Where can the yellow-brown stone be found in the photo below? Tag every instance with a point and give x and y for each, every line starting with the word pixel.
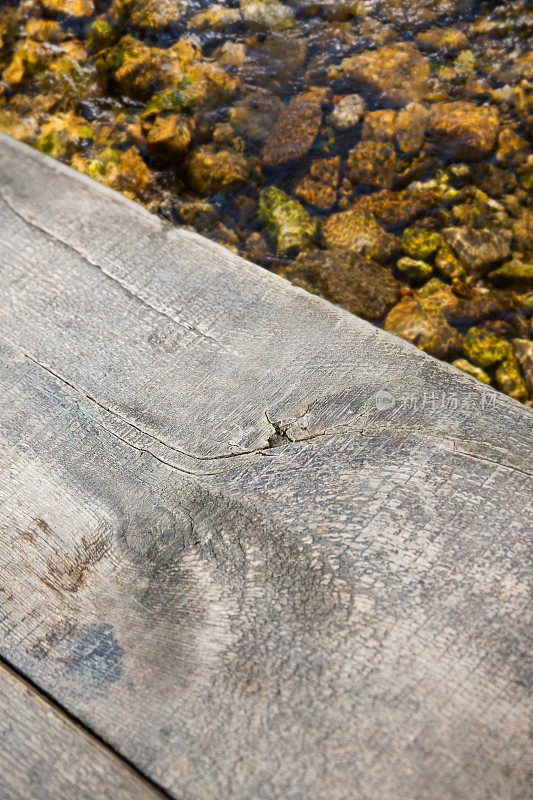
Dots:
pixel 319 186
pixel 463 130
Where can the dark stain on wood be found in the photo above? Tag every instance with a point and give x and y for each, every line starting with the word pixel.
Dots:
pixel 63 630
pixel 95 657
pixel 70 573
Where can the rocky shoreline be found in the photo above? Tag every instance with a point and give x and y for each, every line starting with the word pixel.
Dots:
pixel 375 153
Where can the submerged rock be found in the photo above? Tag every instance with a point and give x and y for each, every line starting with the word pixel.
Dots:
pixel 293 135
pixel 444 40
pixel 523 231
pixel 102 34
pixel 29 59
pixel 62 133
pixel 395 73
pixel 421 243
pixel 168 133
pixel 266 15
pixel 156 14
pixel 396 209
pixel 478 249
pixel 124 171
pixel 353 282
pixel 137 69
pixel 513 149
pixel 347 112
pixel 514 275
pixel 379 125
pixel 209 170
pixel 464 311
pixel 292 228
pixel 471 369
pixel 319 186
pixel 463 130
pixel 410 128
pixel 359 232
pixel 372 164
pixel 72 8
pixel 216 16
pixel 413 269
pixel 167 124
pixel 485 348
pixel 428 330
pixel 255 115
pixel 509 379
pixel 449 265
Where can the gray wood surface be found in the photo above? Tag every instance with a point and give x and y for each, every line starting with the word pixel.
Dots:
pixel 218 550
pixel 45 756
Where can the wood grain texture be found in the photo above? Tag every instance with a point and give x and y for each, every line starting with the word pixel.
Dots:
pixel 45 756
pixel 218 551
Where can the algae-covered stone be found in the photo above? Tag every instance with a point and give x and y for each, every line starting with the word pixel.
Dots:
pixel 61 133
pixel 216 16
pixel 198 213
pixel 463 130
pixel 290 225
pixel 428 330
pixel 442 40
pixel 293 135
pixel 155 14
pixel 318 187
pixel 485 348
pixel 72 77
pixel 513 275
pixel 266 15
pixel 169 133
pixel 136 68
pixel 513 149
pixel 166 121
pixel 73 8
pixel 465 64
pixel 124 171
pixel 471 369
pixel 410 128
pixel 413 269
pixel 523 230
pixel 25 129
pixel 448 264
pixel 395 73
pixel 379 125
pixel 29 59
pixel 510 381
pixel 478 249
pixel 209 170
pixel 396 209
pixel 358 231
pixel 372 164
pixel 421 243
pixel 347 279
pixel 102 34
pixel 347 112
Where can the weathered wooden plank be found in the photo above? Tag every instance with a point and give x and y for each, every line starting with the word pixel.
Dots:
pixel 45 756
pixel 342 615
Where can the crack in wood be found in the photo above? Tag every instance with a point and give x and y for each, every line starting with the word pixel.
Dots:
pixel 123 286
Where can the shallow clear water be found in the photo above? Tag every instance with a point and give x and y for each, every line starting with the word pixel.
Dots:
pixel 377 152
